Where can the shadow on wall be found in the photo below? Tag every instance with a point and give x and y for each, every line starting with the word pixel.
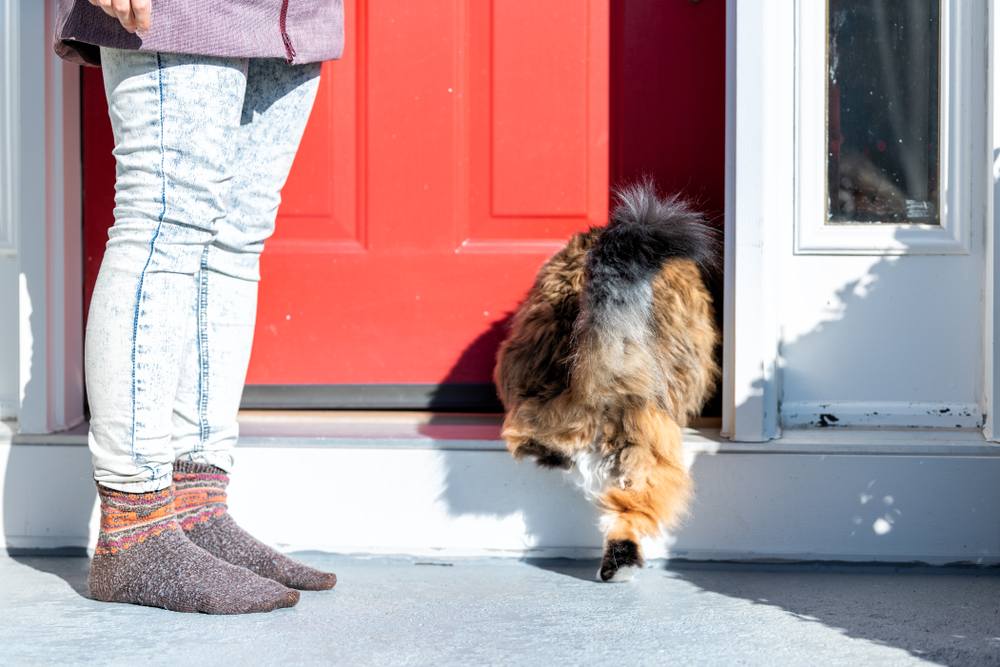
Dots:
pixel 48 490
pixel 899 335
pixel 554 513
pixel 49 498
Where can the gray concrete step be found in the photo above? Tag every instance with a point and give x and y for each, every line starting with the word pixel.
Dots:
pixel 506 612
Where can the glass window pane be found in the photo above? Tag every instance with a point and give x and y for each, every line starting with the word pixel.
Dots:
pixel 882 125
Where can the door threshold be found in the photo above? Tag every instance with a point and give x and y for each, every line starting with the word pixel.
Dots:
pixel 473 431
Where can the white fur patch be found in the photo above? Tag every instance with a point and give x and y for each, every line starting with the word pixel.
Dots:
pixel 592 472
pixel 607 522
pixel 623 575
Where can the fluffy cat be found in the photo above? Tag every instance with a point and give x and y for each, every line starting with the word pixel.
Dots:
pixel 606 360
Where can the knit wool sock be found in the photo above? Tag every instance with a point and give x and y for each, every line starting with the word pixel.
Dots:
pixel 202 513
pixel 143 557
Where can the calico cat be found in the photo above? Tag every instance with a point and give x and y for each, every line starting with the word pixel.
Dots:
pixel 606 360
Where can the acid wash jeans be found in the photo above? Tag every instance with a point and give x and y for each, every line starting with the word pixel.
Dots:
pixel 203 147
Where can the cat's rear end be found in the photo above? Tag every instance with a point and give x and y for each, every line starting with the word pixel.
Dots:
pixel 608 357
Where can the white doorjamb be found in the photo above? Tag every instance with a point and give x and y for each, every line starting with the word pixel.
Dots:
pixel 991 159
pixel 9 77
pixel 760 104
pixel 47 202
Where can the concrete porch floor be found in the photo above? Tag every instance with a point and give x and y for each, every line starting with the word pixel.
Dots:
pixel 400 611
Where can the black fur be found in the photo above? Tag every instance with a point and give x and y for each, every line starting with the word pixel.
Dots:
pixel 550 355
pixel 645 231
pixel 545 457
pixel 619 554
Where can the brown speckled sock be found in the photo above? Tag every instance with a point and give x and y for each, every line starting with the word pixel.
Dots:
pixel 201 511
pixel 143 557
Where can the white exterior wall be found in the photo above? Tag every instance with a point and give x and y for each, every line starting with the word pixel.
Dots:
pixel 373 487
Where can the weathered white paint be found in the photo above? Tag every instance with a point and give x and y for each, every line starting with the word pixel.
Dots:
pixel 884 331
pixel 760 97
pixel 881 414
pixel 961 110
pixel 854 501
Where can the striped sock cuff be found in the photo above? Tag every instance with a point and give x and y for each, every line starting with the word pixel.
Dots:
pixel 128 519
pixel 200 492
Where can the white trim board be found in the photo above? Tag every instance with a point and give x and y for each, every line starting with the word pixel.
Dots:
pixel 990 166
pixel 49 230
pixel 279 430
pixel 9 123
pixel 815 495
pixel 901 414
pixel 759 202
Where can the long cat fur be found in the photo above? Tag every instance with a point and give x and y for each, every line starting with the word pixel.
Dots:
pixel 606 360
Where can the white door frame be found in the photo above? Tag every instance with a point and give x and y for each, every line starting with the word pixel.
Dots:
pixel 760 104
pixel 43 96
pixel 991 164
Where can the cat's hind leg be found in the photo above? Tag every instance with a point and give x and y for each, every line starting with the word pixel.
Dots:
pixel 550 433
pixel 648 494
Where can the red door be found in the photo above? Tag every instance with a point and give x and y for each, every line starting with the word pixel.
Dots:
pixel 452 150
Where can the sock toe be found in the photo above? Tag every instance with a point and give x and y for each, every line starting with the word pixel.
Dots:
pixel 290 599
pixel 204 516
pixel 306 578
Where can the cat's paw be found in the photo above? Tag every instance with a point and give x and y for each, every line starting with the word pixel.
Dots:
pixel 622 560
pixel 622 575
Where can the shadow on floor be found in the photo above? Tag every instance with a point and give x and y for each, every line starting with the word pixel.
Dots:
pixel 48 500
pixel 928 612
pixel 71 570
pixel 584 569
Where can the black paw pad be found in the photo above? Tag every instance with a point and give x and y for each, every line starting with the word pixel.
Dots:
pixel 619 554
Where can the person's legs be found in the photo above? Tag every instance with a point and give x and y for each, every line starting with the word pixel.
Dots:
pixel 173 118
pixel 278 100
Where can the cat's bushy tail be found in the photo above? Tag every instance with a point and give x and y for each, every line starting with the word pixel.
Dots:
pixel 645 231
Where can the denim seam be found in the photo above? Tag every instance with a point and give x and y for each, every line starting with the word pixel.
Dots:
pixel 204 430
pixel 142 275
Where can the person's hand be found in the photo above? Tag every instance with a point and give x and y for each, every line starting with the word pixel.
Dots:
pixel 132 14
